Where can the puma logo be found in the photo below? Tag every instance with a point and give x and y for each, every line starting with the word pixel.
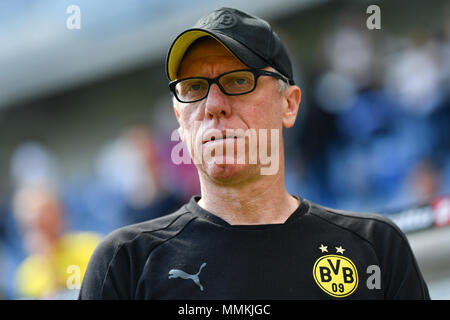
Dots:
pixel 175 273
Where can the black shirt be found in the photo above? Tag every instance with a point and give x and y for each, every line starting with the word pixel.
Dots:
pixel 318 253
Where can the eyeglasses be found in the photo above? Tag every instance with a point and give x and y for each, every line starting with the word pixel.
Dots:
pixel 232 83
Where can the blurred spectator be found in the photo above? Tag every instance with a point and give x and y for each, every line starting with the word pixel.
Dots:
pixel 379 112
pixel 414 78
pixel 423 181
pixel 33 164
pixel 132 166
pixel 51 248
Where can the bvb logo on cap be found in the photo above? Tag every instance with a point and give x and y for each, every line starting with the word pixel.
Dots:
pixel 335 274
pixel 219 20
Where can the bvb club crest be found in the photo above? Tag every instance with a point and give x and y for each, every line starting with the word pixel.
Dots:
pixel 335 274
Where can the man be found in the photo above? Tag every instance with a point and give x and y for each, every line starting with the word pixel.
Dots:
pixel 246 237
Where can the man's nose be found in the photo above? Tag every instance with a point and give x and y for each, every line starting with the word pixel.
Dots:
pixel 217 103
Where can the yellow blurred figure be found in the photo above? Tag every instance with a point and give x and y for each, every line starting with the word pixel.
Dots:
pixel 41 277
pixel 57 260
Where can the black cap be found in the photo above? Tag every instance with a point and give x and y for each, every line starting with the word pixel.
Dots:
pixel 247 37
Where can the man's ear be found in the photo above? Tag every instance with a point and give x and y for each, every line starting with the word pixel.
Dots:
pixel 176 112
pixel 292 96
pixel 180 129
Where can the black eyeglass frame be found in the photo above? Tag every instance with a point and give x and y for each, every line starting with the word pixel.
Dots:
pixel 256 73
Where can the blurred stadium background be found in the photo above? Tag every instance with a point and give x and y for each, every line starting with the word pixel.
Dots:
pixel 86 120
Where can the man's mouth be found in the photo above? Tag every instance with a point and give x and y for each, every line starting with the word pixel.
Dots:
pixel 220 139
pixel 223 138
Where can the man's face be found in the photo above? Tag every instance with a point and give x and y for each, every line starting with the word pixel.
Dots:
pixel 260 110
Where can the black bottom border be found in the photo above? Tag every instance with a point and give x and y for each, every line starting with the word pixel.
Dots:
pixel 233 309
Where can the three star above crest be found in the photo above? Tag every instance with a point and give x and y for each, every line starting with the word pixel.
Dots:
pixel 325 249
pixel 340 250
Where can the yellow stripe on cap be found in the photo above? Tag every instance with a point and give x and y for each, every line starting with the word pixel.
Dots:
pixel 180 47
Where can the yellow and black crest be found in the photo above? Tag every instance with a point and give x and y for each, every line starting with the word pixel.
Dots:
pixel 335 274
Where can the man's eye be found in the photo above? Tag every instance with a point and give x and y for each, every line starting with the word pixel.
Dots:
pixel 240 81
pixel 195 87
pixel 190 87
